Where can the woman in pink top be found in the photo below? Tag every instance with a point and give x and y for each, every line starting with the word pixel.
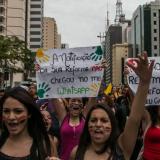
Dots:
pixel 72 123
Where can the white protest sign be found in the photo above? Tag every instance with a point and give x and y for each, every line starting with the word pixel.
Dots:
pixel 73 72
pixel 153 97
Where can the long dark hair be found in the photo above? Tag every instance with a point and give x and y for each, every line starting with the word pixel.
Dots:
pixel 154 115
pixel 41 147
pixel 85 139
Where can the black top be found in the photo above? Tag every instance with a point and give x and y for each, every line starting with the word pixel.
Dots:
pixel 6 157
pixel 118 154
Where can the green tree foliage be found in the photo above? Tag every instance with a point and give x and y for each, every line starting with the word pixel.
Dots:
pixel 12 51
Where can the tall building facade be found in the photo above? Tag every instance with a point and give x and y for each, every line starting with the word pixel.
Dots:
pixel 12 18
pixel 145 29
pixel 119 54
pixel 22 18
pixel 113 36
pixel 51 38
pixel 36 24
pixel 13 23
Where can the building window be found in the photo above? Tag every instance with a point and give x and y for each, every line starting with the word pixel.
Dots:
pixel 35 6
pixel 1 29
pixel 1 19
pixel 155 30
pixel 35 26
pixel 154 14
pixel 35 39
pixel 1 10
pixel 1 2
pixel 155 38
pixel 35 12
pixel 155 22
pixel 35 46
pixel 155 54
pixel 155 47
pixel 35 33
pixel 35 19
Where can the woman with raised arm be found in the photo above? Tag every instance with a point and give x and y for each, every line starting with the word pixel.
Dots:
pixel 99 139
pixel 71 124
pixel 24 136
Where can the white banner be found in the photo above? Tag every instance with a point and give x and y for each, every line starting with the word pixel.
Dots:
pixel 153 97
pixel 73 72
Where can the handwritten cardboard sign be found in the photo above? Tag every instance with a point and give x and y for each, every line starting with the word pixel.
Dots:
pixel 73 72
pixel 153 97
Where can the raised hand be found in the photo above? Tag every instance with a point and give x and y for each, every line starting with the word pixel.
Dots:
pixel 142 68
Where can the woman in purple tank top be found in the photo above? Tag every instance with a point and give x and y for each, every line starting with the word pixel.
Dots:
pixel 72 123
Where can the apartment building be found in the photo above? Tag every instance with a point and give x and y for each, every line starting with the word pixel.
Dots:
pixel 145 29
pixel 13 23
pixel 51 38
pixel 12 18
pixel 113 36
pixel 120 52
pixel 36 24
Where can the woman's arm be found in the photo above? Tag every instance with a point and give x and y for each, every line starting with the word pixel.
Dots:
pixel 90 103
pixel 53 146
pixel 73 153
pixel 128 137
pixel 59 109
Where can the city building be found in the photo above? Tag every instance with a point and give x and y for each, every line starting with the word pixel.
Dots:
pixel 51 38
pixel 119 54
pixel 145 29
pixel 64 45
pixel 22 18
pixel 36 24
pixel 113 36
pixel 12 23
pixel 12 18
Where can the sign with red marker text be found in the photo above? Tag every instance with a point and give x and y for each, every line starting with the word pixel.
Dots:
pixel 153 97
pixel 73 72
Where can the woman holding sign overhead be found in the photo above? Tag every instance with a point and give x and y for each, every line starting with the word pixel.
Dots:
pixel 99 139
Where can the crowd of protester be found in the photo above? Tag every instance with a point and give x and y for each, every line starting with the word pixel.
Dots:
pixel 114 126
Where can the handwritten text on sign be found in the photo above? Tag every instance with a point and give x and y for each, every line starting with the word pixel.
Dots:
pixel 74 72
pixel 153 97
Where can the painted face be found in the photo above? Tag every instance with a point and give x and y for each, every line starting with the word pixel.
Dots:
pixel 47 119
pixel 75 106
pixel 99 126
pixel 15 116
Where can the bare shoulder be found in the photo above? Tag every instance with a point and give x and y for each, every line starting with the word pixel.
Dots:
pixel 73 153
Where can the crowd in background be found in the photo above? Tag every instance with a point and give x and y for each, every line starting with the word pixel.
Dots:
pixel 59 127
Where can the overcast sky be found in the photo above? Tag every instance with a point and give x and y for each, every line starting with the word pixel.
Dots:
pixel 80 21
